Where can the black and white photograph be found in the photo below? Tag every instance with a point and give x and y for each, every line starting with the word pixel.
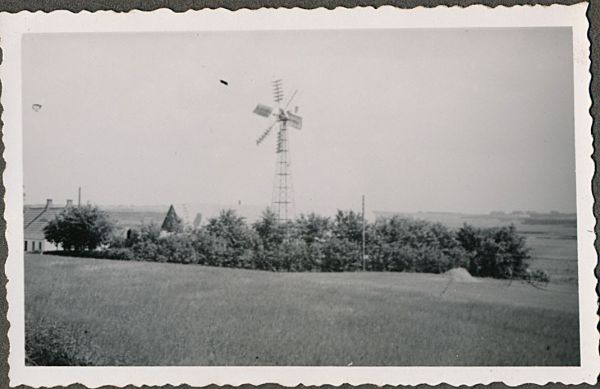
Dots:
pixel 302 197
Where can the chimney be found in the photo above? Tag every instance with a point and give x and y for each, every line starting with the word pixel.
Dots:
pixel 69 203
pixel 48 203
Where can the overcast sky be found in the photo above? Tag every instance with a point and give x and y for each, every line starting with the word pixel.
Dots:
pixel 431 120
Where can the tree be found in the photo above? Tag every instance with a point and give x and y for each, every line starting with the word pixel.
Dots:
pixel 400 244
pixel 231 227
pixel 79 228
pixel 341 254
pixel 234 237
pixel 270 231
pixel 313 228
pixel 498 252
pixel 348 225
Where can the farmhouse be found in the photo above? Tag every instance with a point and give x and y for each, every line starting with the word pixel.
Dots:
pixel 35 218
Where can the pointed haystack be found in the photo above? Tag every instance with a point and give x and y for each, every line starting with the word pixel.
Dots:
pixel 172 222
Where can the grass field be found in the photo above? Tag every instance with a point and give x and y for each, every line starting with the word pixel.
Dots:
pixel 140 313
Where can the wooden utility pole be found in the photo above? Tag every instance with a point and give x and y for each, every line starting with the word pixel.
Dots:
pixel 363 234
pixel 79 197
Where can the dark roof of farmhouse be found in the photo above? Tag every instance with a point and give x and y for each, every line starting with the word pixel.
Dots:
pixel 36 218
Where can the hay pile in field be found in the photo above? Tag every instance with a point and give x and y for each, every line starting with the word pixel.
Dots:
pixel 460 274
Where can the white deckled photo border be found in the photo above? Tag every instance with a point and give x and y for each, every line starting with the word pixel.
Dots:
pixel 14 26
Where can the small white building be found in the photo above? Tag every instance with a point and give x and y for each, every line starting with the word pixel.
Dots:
pixel 35 218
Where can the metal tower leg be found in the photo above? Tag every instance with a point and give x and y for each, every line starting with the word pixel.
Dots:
pixel 283 198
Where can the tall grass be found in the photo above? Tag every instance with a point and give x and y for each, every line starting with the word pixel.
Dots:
pixel 55 344
pixel 134 313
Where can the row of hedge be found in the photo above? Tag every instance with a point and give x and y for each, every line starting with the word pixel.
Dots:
pixel 317 243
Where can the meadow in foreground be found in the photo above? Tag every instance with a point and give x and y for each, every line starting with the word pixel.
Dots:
pixel 139 313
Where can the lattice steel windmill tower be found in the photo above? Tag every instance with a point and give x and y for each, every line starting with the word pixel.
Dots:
pixel 282 202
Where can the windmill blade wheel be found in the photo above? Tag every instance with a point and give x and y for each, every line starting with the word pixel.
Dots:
pixel 264 134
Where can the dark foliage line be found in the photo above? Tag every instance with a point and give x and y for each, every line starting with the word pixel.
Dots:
pixel 316 243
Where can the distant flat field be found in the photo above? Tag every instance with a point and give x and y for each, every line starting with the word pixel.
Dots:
pixel 141 313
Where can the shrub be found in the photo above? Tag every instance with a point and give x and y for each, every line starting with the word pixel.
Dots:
pixel 269 230
pixel 114 253
pixel 431 260
pixel 347 225
pixel 494 252
pixel 50 344
pixel 392 257
pixel 313 228
pixel 79 228
pixel 233 238
pixel 314 256
pixel 400 244
pixel 341 255
pixel 177 248
pixel 538 275
pixel 267 259
pixel 315 243
pixel 209 248
pixel 107 253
